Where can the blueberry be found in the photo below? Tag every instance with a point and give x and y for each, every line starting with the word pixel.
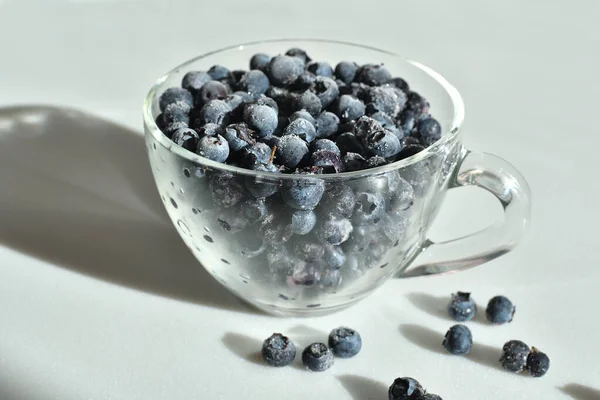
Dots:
pixel 279 260
pixel 298 53
pixel 274 230
pixel 283 98
pixel 261 118
pixel 234 101
pixel 231 220
pixel 291 151
pixel 334 256
pixel 255 82
pixel 409 150
pixel 358 90
pixel 303 222
pixel 160 122
pixel 326 90
pixel 305 274
pixel 346 71
pixel 514 356
pixel 354 162
pixel 238 136
pixel 308 101
pixel 407 121
pixel 258 153
pixel 186 138
pixel 399 83
pixel 214 148
pixel 500 310
pixel 458 340
pixel 538 363
pixel 405 389
pixel 326 124
pixel 429 130
pixel 317 357
pixel 320 68
pixel 210 91
pixel 218 72
pixel 194 80
pixel 246 97
pixel 302 114
pixel 369 208
pixel 173 127
pixel 284 70
pixel 278 350
pixel 174 95
pixel 325 144
pixel 386 99
pixel 254 210
pixel 308 250
pixel 301 128
pixel 215 112
pixel 333 230
pixel 328 161
pixel 176 112
pixel 260 61
pixel 383 119
pixel 330 281
pixel 226 191
pixel 462 307
pixel 376 161
pixel 373 75
pixel 262 187
pixel 382 143
pixel 366 126
pixel 267 101
pixel 303 194
pixel 359 240
pixel 210 130
pixel 348 108
pixel 416 103
pixel 339 201
pixel 347 142
pixel 304 82
pixel 345 342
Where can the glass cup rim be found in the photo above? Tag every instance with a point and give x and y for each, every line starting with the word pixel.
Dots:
pixel 448 136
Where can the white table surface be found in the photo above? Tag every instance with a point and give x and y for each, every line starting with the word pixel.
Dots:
pixel 99 298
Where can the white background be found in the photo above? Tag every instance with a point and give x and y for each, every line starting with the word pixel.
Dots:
pixel 87 313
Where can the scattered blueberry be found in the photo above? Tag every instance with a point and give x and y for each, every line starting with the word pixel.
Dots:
pixel 278 350
pixel 346 71
pixel 291 151
pixel 462 307
pixel 186 138
pixel 260 61
pixel 284 70
pixel 373 75
pixel 218 72
pixel 255 82
pixel 308 101
pixel 514 356
pixel 210 91
pixel 500 310
pixel 317 357
pixel 298 53
pixel 214 148
pixel 326 124
pixel 301 128
pixel 538 363
pixel 405 389
pixel 320 68
pixel 262 118
pixel 345 342
pixel 303 222
pixel 174 95
pixel 303 194
pixel 458 340
pixel 348 108
pixel 238 136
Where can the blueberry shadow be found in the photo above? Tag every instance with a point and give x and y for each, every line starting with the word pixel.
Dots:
pixel 432 341
pixel 581 392
pixel 77 191
pixel 361 388
pixel 436 306
pixel 302 336
pixel 245 347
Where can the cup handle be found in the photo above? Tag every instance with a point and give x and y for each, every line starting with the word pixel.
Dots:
pixel 501 179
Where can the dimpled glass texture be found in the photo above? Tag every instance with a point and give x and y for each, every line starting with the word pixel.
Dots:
pixel 260 262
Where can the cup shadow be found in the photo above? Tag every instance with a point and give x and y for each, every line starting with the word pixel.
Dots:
pixel 581 392
pixel 362 388
pixel 77 191
pixel 431 340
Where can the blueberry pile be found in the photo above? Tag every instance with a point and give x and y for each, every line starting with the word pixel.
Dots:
pixel 279 351
pixel 290 114
pixel 407 388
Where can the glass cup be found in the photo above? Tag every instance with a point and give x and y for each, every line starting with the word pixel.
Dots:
pixel 391 207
